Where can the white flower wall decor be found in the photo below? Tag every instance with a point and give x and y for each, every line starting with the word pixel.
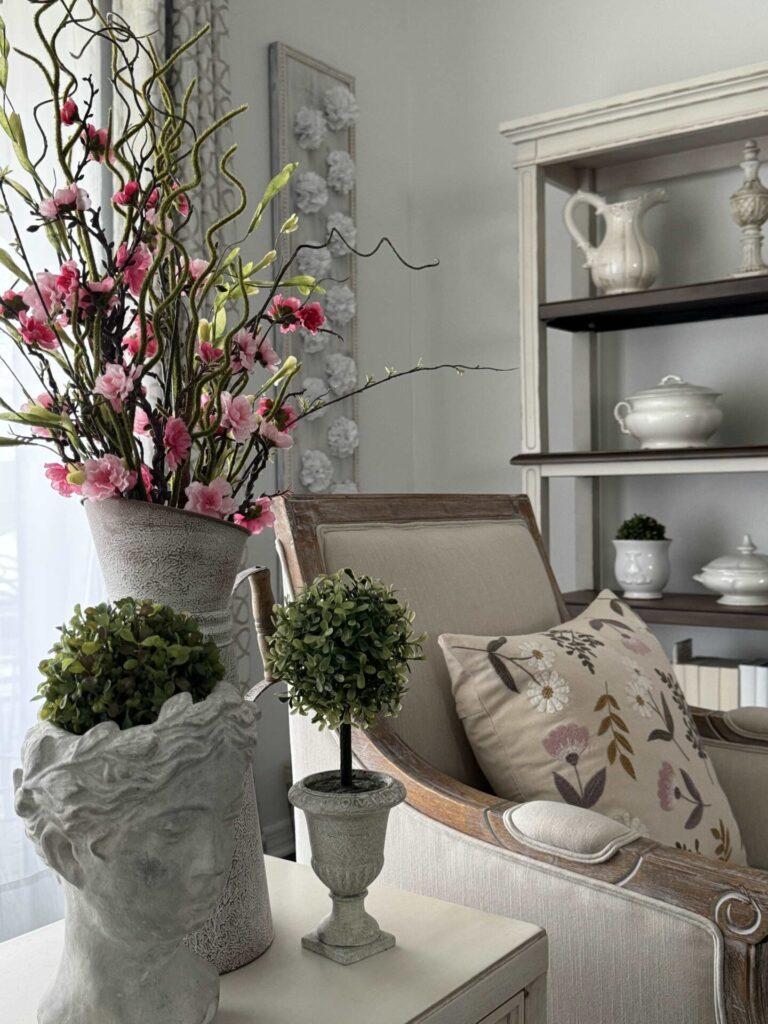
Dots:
pixel 314 119
pixel 341 171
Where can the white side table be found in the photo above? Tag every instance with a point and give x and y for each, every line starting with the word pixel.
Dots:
pixel 451 965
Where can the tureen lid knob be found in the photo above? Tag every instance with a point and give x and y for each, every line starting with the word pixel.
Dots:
pixel 746 547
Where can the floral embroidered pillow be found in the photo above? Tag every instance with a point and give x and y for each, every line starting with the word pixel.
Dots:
pixel 590 713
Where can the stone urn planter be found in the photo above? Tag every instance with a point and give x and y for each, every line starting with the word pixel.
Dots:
pixel 347 828
pixel 138 824
pixel 190 562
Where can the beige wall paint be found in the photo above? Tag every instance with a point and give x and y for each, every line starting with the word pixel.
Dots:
pixel 434 79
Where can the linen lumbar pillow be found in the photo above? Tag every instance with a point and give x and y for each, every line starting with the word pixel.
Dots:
pixel 590 713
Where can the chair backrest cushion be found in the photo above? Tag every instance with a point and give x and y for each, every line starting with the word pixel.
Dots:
pixel 472 576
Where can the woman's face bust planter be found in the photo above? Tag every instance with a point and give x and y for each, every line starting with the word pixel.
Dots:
pixel 139 826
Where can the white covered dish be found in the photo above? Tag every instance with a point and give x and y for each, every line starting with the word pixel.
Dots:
pixel 674 414
pixel 741 578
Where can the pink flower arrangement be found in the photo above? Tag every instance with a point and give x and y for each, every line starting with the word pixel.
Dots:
pixel 134 265
pixel 141 422
pixel 12 304
pixel 116 384
pixel 284 311
pixel 259 516
pixel 59 474
pixel 214 499
pixel 96 141
pixel 68 113
pixel 177 441
pixel 99 295
pixel 36 333
pixel 208 353
pixel 64 200
pixel 285 417
pixel 237 416
pixel 312 317
pixel 197 268
pixel 128 194
pixel 132 344
pixel 106 478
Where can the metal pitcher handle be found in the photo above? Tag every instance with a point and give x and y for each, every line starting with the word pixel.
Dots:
pixel 262 602
pixel 621 417
pixel 599 205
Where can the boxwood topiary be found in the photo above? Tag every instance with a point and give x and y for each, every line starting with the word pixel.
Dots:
pixel 120 662
pixel 640 527
pixel 344 646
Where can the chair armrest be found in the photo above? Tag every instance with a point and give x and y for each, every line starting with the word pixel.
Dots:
pixel 744 725
pixel 734 898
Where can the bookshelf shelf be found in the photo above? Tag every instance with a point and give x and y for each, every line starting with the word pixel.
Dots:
pixel 682 610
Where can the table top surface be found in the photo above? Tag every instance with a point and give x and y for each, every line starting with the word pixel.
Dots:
pixel 442 950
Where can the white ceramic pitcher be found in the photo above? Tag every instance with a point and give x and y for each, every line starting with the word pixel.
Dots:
pixel 624 261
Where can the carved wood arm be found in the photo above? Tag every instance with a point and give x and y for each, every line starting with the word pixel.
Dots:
pixel 716 725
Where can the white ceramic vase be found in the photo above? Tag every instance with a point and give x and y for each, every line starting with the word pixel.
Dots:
pixel 190 562
pixel 347 829
pixel 138 825
pixel 625 261
pixel 642 567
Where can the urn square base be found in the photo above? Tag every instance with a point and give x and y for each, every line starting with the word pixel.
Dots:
pixel 348 954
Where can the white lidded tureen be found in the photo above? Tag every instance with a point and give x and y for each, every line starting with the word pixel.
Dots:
pixel 674 414
pixel 742 578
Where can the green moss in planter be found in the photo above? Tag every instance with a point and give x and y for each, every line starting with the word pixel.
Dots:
pixel 640 527
pixel 121 662
pixel 344 646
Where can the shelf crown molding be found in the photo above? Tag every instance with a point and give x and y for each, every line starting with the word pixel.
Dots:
pixel 721 107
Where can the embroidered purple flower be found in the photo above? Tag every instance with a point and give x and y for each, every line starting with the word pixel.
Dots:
pixel 635 644
pixel 666 786
pixel 567 742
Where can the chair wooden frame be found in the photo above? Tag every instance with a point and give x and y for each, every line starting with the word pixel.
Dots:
pixel 734 898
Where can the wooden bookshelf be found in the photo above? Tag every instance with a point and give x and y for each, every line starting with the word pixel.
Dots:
pixel 682 610
pixel 734 459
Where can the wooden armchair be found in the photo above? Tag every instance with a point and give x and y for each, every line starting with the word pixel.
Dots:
pixel 645 934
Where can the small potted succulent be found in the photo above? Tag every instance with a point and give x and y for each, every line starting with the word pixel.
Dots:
pixel 343 647
pixel 129 788
pixel 642 557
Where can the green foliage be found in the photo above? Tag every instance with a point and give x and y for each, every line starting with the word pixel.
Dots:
pixel 343 646
pixel 640 527
pixel 121 662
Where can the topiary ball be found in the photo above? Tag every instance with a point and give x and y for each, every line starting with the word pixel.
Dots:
pixel 640 527
pixel 121 662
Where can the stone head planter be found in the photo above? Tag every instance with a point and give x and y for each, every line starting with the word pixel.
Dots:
pixel 139 826
pixel 190 562
pixel 347 829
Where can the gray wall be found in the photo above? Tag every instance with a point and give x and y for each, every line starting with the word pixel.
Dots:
pixel 434 79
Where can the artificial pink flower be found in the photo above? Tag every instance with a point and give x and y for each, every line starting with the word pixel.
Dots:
pixel 208 353
pixel 48 209
pixel 146 477
pixel 69 112
pixel 284 311
pixel 42 298
pixel 99 294
pixel 106 477
pixel 58 474
pixel 134 265
pixel 115 384
pixel 140 421
pixel 180 201
pixel 152 199
pixel 665 787
pixel 197 268
pixel 214 499
pixel 95 141
pixel 258 517
pixel 132 343
pixel 127 195
pixel 12 303
pixel 267 355
pixel 312 317
pixel 36 332
pixel 245 346
pixel 285 417
pixel 68 283
pixel 43 401
pixel 177 442
pixel 237 415
pixel 270 431
pixel 72 198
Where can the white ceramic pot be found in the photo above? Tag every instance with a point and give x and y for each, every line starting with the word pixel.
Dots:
pixel 624 261
pixel 674 414
pixel 642 567
pixel 742 579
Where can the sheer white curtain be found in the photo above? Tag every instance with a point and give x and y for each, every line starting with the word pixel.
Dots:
pixel 47 563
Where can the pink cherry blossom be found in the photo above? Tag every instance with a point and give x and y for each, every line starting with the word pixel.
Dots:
pixel 48 209
pixel 270 431
pixel 99 294
pixel 115 384
pixel 68 283
pixel 237 415
pixel 180 201
pixel 312 317
pixel 197 268
pixel 146 477
pixel 128 194
pixel 43 401
pixel 258 517
pixel 208 353
pixel 285 417
pixel 132 343
pixel 106 477
pixel 58 473
pixel 69 112
pixel 214 499
pixel 134 265
pixel 72 198
pixel 140 421
pixel 42 298
pixel 284 311
pixel 247 348
pixel 177 442
pixel 12 303
pixel 95 141
pixel 36 332
pixel 267 355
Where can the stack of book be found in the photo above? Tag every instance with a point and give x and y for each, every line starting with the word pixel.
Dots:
pixel 720 684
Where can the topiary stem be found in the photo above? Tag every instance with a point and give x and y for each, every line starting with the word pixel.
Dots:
pixel 345 745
